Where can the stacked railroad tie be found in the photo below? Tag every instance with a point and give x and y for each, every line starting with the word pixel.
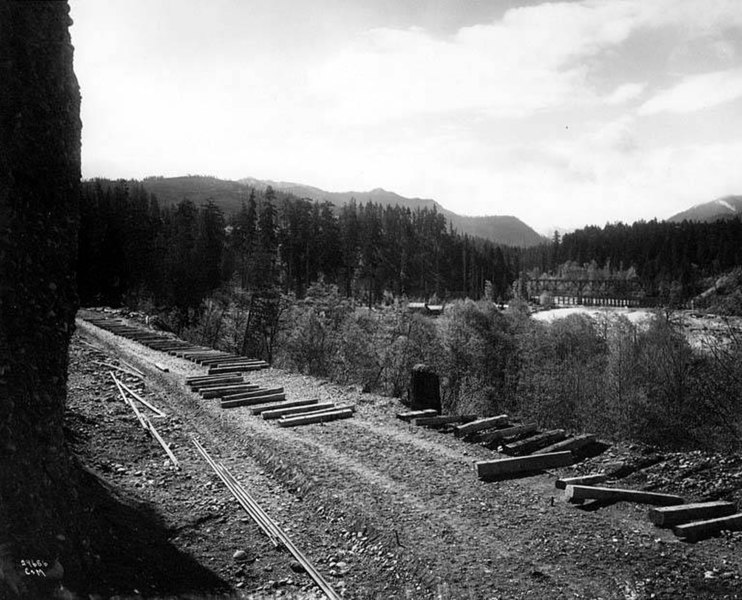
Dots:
pixel 690 522
pixel 233 391
pixel 218 362
pixel 529 448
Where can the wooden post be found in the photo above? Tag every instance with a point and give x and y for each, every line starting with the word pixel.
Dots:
pixel 676 515
pixel 534 442
pixel 492 438
pixel 699 530
pixel 277 413
pixel 563 482
pixel 288 404
pixel 527 464
pixel 413 414
pixel 321 417
pixel 577 494
pixel 442 420
pixel 480 425
pixel 572 444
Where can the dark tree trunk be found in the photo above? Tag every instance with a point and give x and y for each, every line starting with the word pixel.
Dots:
pixel 39 191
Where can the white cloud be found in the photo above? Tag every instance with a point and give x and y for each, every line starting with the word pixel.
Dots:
pixel 625 92
pixel 697 92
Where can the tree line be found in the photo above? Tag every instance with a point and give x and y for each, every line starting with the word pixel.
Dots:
pixel 670 260
pixel 133 250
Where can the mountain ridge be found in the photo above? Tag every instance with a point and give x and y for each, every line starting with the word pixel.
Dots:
pixel 726 207
pixel 503 229
pixel 229 195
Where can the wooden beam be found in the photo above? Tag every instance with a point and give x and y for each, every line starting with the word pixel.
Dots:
pixel 676 515
pixel 253 394
pixel 480 425
pixel 198 379
pixel 228 390
pixel 250 401
pixel 492 438
pixel 288 404
pixel 442 420
pixel 322 417
pixel 562 483
pixel 577 494
pixel 277 413
pixel 412 414
pixel 216 383
pixel 571 444
pixel 534 442
pixel 240 368
pixel 692 532
pixel 492 469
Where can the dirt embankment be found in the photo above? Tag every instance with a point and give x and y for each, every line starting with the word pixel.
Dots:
pixel 383 509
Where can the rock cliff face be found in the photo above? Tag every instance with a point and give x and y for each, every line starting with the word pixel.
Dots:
pixel 39 192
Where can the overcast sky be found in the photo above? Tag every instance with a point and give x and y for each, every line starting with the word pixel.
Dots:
pixel 560 113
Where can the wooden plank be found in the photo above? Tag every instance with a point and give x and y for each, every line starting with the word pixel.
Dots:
pixel 228 390
pixel 671 516
pixel 253 394
pixel 277 413
pixel 492 469
pixel 288 404
pixel 692 532
pixel 562 483
pixel 199 379
pixel 577 494
pixel 216 383
pixel 251 401
pixel 322 417
pixel 412 414
pixel 480 425
pixel 534 442
pixel 571 444
pixel 441 420
pixel 492 438
pixel 237 368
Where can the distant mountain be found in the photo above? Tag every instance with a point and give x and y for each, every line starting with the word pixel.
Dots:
pixel 229 195
pixel 500 229
pixel 727 207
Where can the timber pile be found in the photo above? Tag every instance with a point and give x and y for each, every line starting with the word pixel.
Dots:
pixel 216 361
pixel 523 441
pixel 233 391
pixel 690 522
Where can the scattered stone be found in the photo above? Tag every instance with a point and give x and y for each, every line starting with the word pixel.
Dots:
pixel 240 556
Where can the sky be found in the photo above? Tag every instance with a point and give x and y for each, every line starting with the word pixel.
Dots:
pixel 562 114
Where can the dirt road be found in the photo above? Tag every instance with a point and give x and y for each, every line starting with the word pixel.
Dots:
pixel 384 509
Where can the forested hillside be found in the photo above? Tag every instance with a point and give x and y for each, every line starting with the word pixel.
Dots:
pixel 229 195
pixel 670 260
pixel 132 249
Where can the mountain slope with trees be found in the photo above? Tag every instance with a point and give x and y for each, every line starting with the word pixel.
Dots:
pixel 229 195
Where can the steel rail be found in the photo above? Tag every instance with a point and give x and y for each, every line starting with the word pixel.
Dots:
pixel 247 508
pixel 128 401
pixel 136 396
pixel 267 522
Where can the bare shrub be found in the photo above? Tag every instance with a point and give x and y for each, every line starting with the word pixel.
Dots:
pixel 561 372
pixel 311 331
pixel 479 355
